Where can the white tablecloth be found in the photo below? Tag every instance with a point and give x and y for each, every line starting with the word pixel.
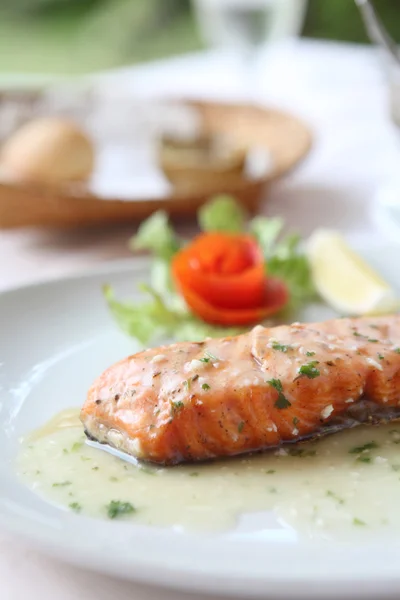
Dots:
pixel 341 91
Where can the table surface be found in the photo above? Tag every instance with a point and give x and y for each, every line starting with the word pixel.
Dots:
pixel 341 91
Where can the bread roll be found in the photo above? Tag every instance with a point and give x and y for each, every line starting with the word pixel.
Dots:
pixel 48 150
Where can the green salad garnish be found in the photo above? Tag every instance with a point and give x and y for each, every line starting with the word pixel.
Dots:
pixel 162 313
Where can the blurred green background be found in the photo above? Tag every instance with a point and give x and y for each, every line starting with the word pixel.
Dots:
pixel 75 36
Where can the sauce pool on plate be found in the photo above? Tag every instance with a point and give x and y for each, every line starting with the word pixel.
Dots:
pixel 329 489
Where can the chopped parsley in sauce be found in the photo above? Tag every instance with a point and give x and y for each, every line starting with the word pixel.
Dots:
pixel 240 426
pixel 364 459
pixel 205 387
pixel 380 356
pixel 301 452
pixel 271 471
pixel 308 353
pixel 77 446
pixel 117 509
pixel 280 347
pixel 209 358
pixel 176 406
pixel 373 341
pixel 62 484
pixel 282 401
pixel 334 496
pixel 310 370
pixel 359 449
pixel 75 506
pixel 358 522
pixel 295 421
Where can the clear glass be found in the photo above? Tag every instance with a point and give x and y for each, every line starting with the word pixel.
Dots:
pixel 244 26
pixel 387 204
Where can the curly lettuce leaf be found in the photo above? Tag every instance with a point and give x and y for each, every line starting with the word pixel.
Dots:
pixel 222 213
pixel 285 259
pixel 156 235
pixel 266 231
pixel 154 320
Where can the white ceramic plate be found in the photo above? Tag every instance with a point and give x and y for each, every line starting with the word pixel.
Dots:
pixel 55 339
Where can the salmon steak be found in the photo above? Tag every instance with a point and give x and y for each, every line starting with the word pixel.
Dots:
pixel 271 386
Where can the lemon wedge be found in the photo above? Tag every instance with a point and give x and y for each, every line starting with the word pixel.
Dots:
pixel 344 280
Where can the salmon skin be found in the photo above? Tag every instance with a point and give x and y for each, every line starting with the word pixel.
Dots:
pixel 195 401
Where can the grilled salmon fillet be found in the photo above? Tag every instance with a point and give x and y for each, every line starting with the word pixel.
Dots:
pixel 195 401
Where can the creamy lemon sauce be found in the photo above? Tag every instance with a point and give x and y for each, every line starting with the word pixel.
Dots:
pixel 333 488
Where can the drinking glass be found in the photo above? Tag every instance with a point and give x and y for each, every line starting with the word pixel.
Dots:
pixel 246 26
pixel 387 209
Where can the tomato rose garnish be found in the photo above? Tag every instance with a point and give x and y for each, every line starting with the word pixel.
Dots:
pixel 223 280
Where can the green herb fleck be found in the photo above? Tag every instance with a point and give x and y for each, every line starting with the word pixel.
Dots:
pixel 85 458
pixel 205 387
pixel 308 353
pixel 113 478
pixel 358 522
pixel 358 334
pixel 186 383
pixel 117 509
pixel 380 356
pixel 77 446
pixel 194 474
pixel 62 484
pixel 301 452
pixel 240 426
pixel 209 357
pixel 310 370
pixel 65 451
pixel 331 494
pixel 282 401
pixel 364 448
pixel 373 341
pixel 75 506
pixel 281 347
pixel 295 421
pixel 176 406
pixel 396 467
pixel 151 426
pixel 147 470
pixel 397 350
pixel 271 471
pixel 95 468
pixel 364 459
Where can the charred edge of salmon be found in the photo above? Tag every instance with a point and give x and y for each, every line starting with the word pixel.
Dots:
pixel 364 412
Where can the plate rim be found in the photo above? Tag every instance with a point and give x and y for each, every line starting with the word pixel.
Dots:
pixel 383 579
